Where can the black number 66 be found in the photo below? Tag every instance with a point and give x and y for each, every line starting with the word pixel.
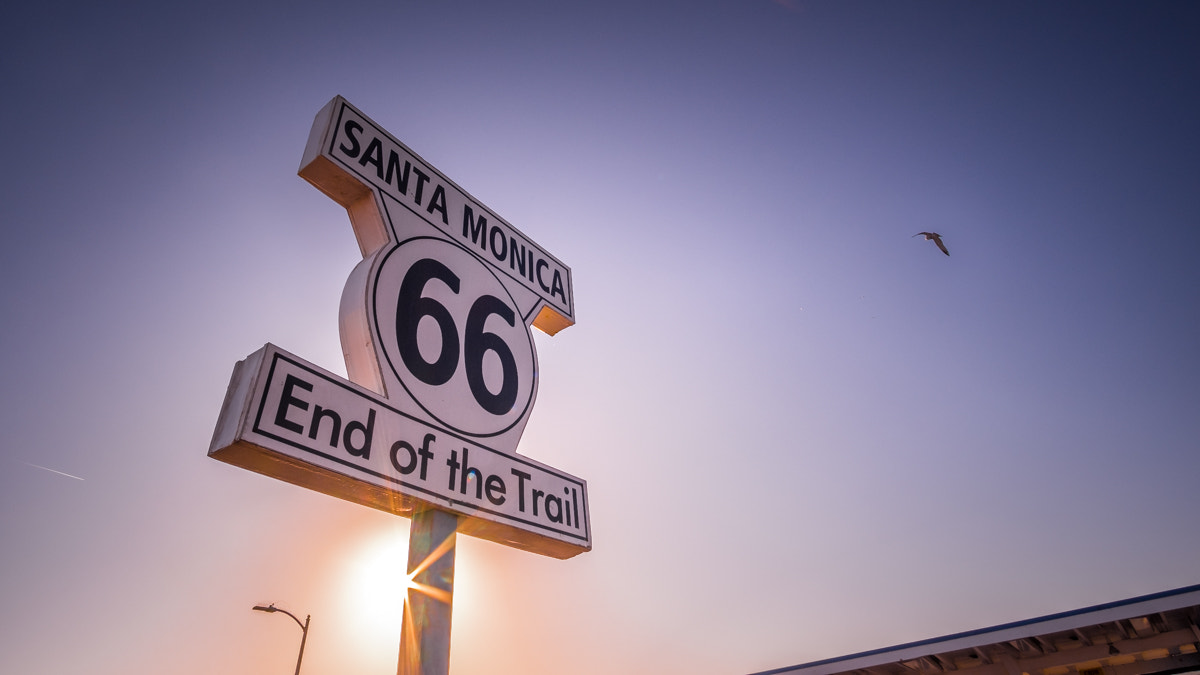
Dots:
pixel 412 306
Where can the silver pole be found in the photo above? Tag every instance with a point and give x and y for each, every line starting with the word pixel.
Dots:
pixel 425 641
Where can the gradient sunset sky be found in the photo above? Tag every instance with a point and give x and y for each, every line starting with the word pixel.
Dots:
pixel 805 433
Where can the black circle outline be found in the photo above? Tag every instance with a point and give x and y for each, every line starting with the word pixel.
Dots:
pixel 383 349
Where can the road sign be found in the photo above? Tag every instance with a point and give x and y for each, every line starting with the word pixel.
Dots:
pixel 443 369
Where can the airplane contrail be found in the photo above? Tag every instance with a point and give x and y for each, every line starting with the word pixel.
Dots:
pixel 43 468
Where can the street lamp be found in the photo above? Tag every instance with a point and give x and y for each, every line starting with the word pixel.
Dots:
pixel 303 627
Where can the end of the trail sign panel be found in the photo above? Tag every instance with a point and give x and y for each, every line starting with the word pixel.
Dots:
pixel 443 371
pixel 286 418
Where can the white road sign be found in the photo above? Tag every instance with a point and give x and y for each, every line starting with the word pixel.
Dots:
pixel 435 328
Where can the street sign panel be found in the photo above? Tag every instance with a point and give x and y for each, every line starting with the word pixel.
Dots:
pixel 291 420
pixel 435 329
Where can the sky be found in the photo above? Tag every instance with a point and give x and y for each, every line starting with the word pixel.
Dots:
pixel 805 432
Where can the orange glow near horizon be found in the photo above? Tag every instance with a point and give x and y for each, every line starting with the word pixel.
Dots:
pixel 377 591
pixel 376 587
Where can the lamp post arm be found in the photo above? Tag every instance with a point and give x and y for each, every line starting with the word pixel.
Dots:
pixel 303 628
pixel 303 625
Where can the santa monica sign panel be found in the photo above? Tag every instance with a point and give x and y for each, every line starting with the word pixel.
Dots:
pixel 443 371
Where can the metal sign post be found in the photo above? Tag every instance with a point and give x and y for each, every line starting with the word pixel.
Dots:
pixel 443 375
pixel 425 637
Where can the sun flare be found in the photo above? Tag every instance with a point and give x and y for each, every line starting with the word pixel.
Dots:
pixel 377 586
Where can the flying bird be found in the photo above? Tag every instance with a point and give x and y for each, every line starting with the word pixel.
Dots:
pixel 937 239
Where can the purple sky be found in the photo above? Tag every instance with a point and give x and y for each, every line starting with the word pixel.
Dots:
pixel 805 432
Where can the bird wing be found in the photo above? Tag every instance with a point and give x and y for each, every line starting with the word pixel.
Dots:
pixel 938 240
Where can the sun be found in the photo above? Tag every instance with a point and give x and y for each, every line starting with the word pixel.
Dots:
pixel 375 587
pixel 377 584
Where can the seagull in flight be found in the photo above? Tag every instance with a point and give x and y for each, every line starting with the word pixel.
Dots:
pixel 937 239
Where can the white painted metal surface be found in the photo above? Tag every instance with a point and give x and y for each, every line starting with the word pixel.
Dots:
pixel 435 325
pixel 1141 636
pixel 289 419
pixel 435 330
